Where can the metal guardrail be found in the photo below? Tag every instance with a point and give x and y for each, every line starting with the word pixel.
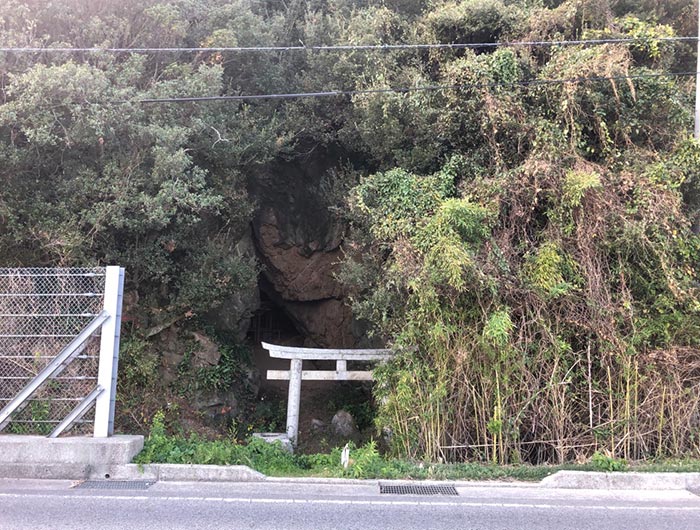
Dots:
pixel 57 365
pixel 59 338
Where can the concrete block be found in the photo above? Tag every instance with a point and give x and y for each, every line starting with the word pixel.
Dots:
pixel 179 472
pixel 272 437
pixel 622 480
pixel 182 473
pixel 80 458
pixel 130 472
pixel 94 452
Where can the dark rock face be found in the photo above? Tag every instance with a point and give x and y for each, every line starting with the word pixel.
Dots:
pixel 298 244
pixel 299 271
pixel 189 351
pixel 327 323
pixel 297 240
pixel 217 408
pixel 206 354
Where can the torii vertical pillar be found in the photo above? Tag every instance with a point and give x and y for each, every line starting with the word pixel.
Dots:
pixel 294 399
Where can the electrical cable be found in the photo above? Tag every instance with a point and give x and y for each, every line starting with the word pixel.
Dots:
pixel 343 47
pixel 426 88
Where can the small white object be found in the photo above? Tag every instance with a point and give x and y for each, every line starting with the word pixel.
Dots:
pixel 345 456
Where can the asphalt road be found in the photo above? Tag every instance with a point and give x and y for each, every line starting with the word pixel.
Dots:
pixel 55 505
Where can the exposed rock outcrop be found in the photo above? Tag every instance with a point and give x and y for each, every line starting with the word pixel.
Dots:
pixel 299 271
pixel 298 244
pixel 325 323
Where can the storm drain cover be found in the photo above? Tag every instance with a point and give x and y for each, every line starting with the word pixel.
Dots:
pixel 115 484
pixel 416 489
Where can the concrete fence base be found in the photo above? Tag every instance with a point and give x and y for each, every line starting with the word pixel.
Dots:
pixel 71 457
pixel 81 458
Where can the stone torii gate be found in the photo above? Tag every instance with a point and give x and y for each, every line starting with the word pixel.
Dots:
pixel 296 374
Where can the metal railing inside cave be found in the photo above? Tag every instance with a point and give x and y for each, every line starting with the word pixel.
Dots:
pixel 59 347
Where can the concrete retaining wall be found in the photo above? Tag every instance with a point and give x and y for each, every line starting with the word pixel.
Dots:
pixel 70 458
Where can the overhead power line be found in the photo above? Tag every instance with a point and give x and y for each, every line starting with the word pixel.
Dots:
pixel 426 88
pixel 345 47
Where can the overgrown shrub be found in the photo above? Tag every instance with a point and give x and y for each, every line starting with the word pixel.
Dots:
pixel 553 328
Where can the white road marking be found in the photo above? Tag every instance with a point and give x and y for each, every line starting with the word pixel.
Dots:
pixel 417 502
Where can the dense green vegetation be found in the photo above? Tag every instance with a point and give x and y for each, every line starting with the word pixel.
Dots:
pixel 525 246
pixel 273 460
pixel 364 462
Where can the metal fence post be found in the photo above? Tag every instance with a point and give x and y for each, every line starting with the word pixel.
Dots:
pixel 109 352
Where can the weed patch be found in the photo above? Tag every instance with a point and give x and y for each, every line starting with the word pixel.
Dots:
pixel 366 462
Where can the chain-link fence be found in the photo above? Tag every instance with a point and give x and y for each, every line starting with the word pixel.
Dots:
pixel 41 312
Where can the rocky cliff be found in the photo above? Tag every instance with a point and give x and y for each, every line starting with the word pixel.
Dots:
pixel 297 240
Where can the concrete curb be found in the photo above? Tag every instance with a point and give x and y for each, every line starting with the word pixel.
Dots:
pixel 377 481
pixel 560 480
pixel 183 473
pixel 20 449
pixel 323 480
pixel 46 471
pixel 81 458
pixel 622 480
pixel 208 473
pixel 155 472
pixel 72 458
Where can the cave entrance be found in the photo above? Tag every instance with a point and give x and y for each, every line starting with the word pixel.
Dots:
pixel 271 323
pixel 320 400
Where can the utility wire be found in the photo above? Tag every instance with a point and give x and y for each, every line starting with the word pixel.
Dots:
pixel 426 88
pixel 343 47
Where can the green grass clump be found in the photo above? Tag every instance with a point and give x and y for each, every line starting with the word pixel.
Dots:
pixel 162 448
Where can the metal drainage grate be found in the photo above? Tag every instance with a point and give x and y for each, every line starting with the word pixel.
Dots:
pixel 416 489
pixel 115 485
